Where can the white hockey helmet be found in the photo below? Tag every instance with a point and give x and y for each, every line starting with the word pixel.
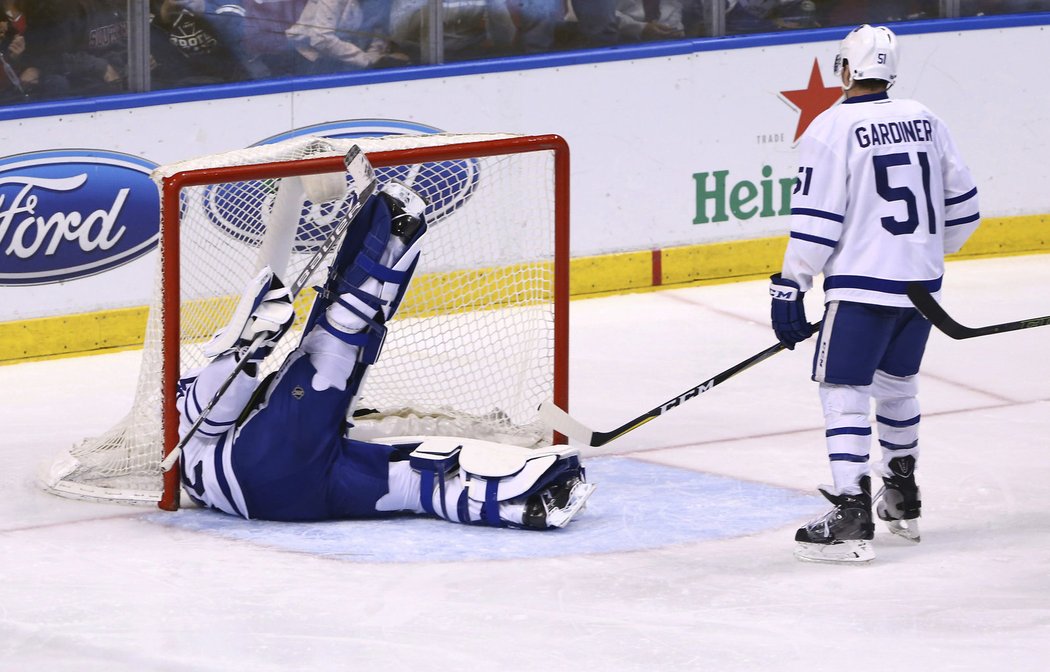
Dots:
pixel 871 52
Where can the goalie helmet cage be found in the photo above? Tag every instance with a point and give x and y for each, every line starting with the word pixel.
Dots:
pixel 482 334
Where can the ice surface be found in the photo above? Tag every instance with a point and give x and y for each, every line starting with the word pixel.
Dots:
pixel 682 560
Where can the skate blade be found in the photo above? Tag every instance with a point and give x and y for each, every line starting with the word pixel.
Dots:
pixel 908 529
pixel 577 499
pixel 855 551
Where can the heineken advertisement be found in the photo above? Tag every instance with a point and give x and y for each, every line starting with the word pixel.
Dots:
pixel 720 198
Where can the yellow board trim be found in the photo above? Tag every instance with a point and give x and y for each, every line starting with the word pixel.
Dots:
pixel 625 272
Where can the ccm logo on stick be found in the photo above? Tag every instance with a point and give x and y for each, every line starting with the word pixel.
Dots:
pixel 73 213
pixel 696 391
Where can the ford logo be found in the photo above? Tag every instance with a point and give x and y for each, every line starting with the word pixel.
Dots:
pixel 73 213
pixel 446 185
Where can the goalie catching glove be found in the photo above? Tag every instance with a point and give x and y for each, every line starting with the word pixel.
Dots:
pixel 788 312
pixel 265 312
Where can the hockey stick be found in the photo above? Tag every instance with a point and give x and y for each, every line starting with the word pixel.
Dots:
pixel 933 312
pixel 560 421
pixel 362 173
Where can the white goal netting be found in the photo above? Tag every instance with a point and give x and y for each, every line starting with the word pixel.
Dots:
pixel 474 348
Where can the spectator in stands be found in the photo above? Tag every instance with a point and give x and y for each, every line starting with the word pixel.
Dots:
pixel 596 23
pixel 982 7
pixel 832 13
pixel 602 23
pixel 694 18
pixel 338 35
pixel 535 24
pixel 761 16
pixel 80 47
pixel 189 48
pixel 268 50
pixel 649 20
pixel 12 47
pixel 25 51
pixel 754 16
pixel 228 20
pixel 472 28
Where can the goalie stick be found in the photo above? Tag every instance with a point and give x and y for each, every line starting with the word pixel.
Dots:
pixel 362 173
pixel 560 421
pixel 932 311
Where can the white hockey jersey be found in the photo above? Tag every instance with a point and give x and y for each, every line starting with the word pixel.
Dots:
pixel 206 464
pixel 880 197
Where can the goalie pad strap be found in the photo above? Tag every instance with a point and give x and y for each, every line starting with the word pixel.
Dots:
pixel 434 468
pixel 370 341
pixel 372 248
pixel 369 299
pixel 365 298
pixel 426 499
pixel 381 272
pixel 395 302
pixel 491 508
pixel 426 484
pixel 463 507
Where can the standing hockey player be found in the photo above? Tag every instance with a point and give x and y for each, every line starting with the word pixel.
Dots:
pixel 276 450
pixel 881 196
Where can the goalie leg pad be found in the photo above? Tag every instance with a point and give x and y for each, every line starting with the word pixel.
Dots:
pixel 365 284
pixel 495 473
pixel 378 253
pixel 372 268
pixel 499 485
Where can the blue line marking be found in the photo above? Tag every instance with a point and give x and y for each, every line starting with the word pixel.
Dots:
pixel 637 506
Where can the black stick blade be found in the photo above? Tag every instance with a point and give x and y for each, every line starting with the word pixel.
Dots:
pixel 935 313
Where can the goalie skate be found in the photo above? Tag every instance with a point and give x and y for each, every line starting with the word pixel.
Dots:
pixel 557 505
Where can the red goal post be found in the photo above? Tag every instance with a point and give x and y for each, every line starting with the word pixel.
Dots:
pixel 482 335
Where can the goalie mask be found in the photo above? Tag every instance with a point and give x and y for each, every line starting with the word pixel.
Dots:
pixel 871 53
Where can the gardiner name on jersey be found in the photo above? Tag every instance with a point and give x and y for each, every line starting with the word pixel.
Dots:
pixel 893 132
pixel 881 196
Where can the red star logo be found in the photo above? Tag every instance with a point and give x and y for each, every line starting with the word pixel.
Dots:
pixel 812 100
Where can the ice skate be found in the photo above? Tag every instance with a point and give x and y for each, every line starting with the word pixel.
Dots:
pixel 557 504
pixel 898 503
pixel 844 533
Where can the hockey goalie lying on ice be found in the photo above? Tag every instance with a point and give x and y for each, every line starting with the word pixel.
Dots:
pixel 275 449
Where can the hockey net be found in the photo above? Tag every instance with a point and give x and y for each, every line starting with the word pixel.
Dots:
pixel 479 340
